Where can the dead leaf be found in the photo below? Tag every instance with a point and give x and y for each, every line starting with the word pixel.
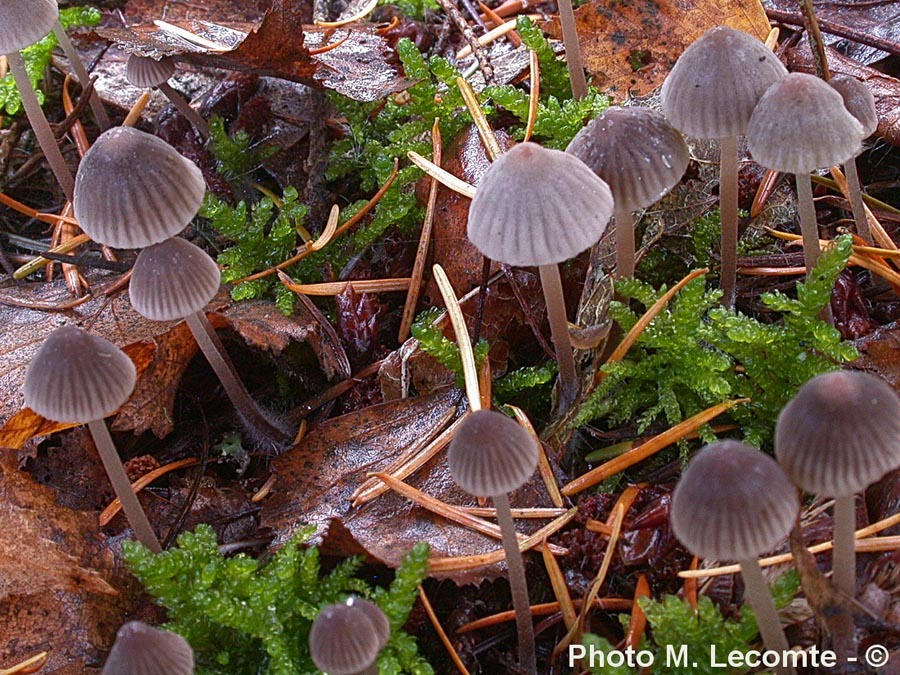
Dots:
pixel 880 354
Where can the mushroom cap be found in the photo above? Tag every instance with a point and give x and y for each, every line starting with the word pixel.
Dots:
pixel 800 125
pixel 715 84
pixel 491 454
pixel 859 101
pixel 173 280
pixel 345 638
pixel 840 433
pixel 636 151
pixel 733 502
pixel 537 206
pixel 78 377
pixel 140 649
pixel 133 189
pixel 24 22
pixel 145 72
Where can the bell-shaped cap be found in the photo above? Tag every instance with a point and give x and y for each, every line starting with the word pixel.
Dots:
pixel 636 151
pixel 140 649
pixel 733 502
pixel 146 72
pixel 537 206
pixel 133 189
pixel 801 125
pixel 491 454
pixel 345 638
pixel 716 83
pixel 78 377
pixel 859 101
pixel 173 280
pixel 24 22
pixel 840 433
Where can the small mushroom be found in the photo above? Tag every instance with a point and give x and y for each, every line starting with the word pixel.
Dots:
pixel 345 639
pixel 175 280
pixel 490 456
pixel 76 377
pixel 711 92
pixel 537 206
pixel 134 189
pixel 146 72
pixel 734 502
pixel 140 649
pixel 641 157
pixel 837 436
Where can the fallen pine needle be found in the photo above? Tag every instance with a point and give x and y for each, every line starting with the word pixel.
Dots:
pixel 115 506
pixel 454 656
pixel 544 609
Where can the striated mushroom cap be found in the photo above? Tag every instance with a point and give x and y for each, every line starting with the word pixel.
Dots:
pixel 346 638
pixel 859 101
pixel 134 189
pixel 140 649
pixel 78 377
pixel 172 280
pixel 146 72
pixel 537 206
pixel 24 22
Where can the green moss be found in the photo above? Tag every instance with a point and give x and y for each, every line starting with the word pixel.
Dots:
pixel 433 342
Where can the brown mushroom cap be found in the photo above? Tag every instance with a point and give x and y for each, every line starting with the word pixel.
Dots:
pixel 24 22
pixel 78 377
pixel 491 454
pixel 146 72
pixel 537 206
pixel 140 649
pixel 346 638
pixel 173 279
pixel 716 83
pixel 801 125
pixel 859 101
pixel 733 502
pixel 840 433
pixel 134 189
pixel 636 151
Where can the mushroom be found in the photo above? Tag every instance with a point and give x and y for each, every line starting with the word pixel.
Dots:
pixel 837 436
pixel 574 61
pixel 537 206
pixel 81 73
pixel 800 125
pixel 734 502
pixel 76 377
pixel 345 639
pixel 134 189
pixel 175 280
pixel 24 22
pixel 146 72
pixel 711 93
pixel 140 649
pixel 860 103
pixel 641 157
pixel 490 456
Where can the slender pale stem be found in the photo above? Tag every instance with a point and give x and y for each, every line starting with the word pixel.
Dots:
pixel 221 363
pixel 856 201
pixel 134 512
pixel 728 208
pixel 573 49
pixel 40 125
pixel 757 593
pixel 624 244
pixel 559 333
pixel 844 556
pixel 517 585
pixel 82 74
pixel 809 227
pixel 185 109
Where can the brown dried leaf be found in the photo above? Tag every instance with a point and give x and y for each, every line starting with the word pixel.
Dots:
pixel 880 354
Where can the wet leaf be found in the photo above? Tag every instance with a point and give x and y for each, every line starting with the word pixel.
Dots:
pixel 880 354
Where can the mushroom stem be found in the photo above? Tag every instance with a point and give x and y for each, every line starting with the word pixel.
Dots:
pixel 517 585
pixel 624 243
pixel 856 201
pixel 844 555
pixel 40 125
pixel 809 228
pixel 81 73
pixel 760 599
pixel 134 512
pixel 573 49
pixel 728 210
pixel 559 333
pixel 185 109
pixel 248 410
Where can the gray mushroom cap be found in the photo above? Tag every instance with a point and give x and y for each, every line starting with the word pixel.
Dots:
pixel 636 151
pixel 716 83
pixel 345 638
pixel 140 649
pixel 172 280
pixel 78 377
pixel 733 502
pixel 146 72
pixel 538 206
pixel 133 190
pixel 24 22
pixel 859 101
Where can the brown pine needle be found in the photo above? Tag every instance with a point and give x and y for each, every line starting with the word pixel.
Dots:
pixel 543 463
pixel 445 178
pixel 560 589
pixel 484 128
pixel 115 506
pixel 638 623
pixel 544 609
pixel 338 287
pixel 534 94
pixel 31 665
pixel 466 355
pixel 429 610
